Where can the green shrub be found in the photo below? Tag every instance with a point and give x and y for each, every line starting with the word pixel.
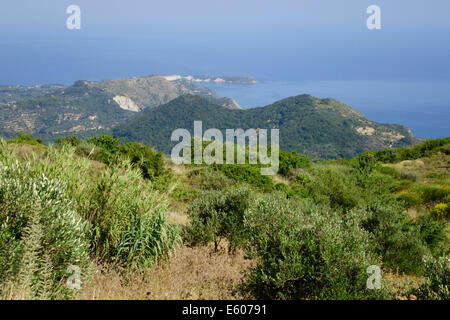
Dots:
pixel 248 174
pixel 41 234
pixel 390 172
pixel 446 149
pixel 116 201
pixel 437 279
pixel 184 193
pixel 305 251
pixel 209 179
pixel 330 187
pixel 424 149
pixel 282 187
pixel 292 160
pixel 433 193
pixel 394 237
pixel 71 141
pixel 111 151
pixel 109 147
pixel 410 200
pixel 218 215
pixel 150 162
pixel 26 138
pixel 409 175
pixel 366 163
pixel 432 232
pixel 121 204
pixel 441 210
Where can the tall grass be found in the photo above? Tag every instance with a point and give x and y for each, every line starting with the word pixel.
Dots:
pixel 57 208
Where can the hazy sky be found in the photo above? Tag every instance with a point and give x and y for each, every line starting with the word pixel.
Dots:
pixel 283 39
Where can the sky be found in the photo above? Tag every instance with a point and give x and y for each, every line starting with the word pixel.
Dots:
pixel 283 40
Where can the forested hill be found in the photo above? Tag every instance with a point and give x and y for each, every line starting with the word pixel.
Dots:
pixel 324 128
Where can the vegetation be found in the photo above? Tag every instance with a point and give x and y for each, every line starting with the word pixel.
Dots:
pixel 87 107
pixel 322 128
pixel 59 209
pixel 309 232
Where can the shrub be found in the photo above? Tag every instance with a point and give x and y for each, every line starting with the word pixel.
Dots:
pixel 216 216
pixel 41 234
pixel 410 200
pixel 150 162
pixel 394 237
pixel 409 175
pixel 331 188
pixel 109 147
pixel 433 193
pixel 248 174
pixel 129 218
pixel 112 199
pixel 366 163
pixel 390 172
pixel 26 138
pixel 209 179
pixel 305 251
pixel 432 232
pixel 437 279
pixel 291 161
pixel 424 149
pixel 111 151
pixel 446 149
pixel 441 210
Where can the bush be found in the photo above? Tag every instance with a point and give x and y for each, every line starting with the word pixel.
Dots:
pixel 409 175
pixel 390 172
pixel 128 218
pixel 330 187
pixel 424 149
pixel 216 216
pixel 432 232
pixel 111 151
pixel 150 162
pixel 26 138
pixel 394 237
pixel 437 279
pixel 209 179
pixel 248 174
pixel 410 200
pixel 446 149
pixel 292 160
pixel 109 147
pixel 41 234
pixel 116 201
pixel 432 193
pixel 305 251
pixel 441 210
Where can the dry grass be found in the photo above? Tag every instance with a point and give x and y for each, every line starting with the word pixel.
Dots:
pixel 190 274
pixel 178 217
pixel 401 283
pixel 280 179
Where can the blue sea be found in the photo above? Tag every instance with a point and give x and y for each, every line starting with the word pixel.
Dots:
pixel 424 107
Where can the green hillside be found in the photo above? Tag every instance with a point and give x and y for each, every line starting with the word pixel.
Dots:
pixel 79 109
pixel 323 128
pixel 89 107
